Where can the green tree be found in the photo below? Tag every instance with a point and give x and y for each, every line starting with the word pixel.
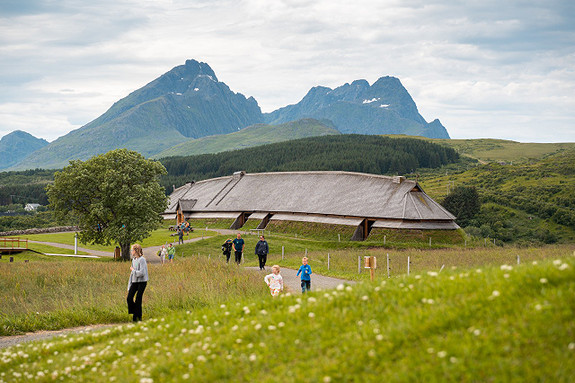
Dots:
pixel 115 197
pixel 464 203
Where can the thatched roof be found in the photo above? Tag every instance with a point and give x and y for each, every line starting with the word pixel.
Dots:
pixel 390 201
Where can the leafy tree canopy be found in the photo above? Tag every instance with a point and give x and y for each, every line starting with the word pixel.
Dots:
pixel 115 197
pixel 464 203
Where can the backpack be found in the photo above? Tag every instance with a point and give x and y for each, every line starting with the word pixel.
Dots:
pixel 159 253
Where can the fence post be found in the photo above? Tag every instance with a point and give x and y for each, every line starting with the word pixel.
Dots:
pixel 518 260
pixel 429 241
pixel 76 243
pixel 282 253
pixel 306 252
pixel 384 239
pixel 388 265
pixel 408 265
pixel 209 256
pixel 328 261
pixel 339 237
pixel 359 264
pixel 466 243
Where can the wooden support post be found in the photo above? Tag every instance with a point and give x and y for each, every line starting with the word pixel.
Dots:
pixel 384 239
pixel 328 261
pixel 359 264
pixel 339 237
pixel 388 266
pixel 429 241
pixel 283 253
pixel 408 265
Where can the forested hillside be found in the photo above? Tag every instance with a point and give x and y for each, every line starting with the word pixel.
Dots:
pixel 358 153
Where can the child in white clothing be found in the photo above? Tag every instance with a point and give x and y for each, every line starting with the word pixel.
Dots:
pixel 275 281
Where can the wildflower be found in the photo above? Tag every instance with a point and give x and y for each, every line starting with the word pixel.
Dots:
pixel 442 354
pixel 235 327
pixel 281 324
pixel 258 326
pixel 418 276
pixel 250 345
pixel 348 288
pixel 432 273
pixel 495 293
pixel 478 271
pixel 364 298
pixel 543 280
pixel 360 323
pixel 534 262
pixel 326 379
pixel 340 287
pixel 452 278
pixel 371 353
pixel 377 288
pixel 201 358
pixel 273 328
pixel 186 350
pixel 253 357
pixel 263 312
pixel 505 275
pixel 453 359
pixel 146 380
pixel 311 315
pixel 563 266
pixel 223 306
pixel 557 262
pixel 506 267
pixel 538 307
pixel 239 340
pixel 379 337
pixel 430 350
pixel 571 346
pixel 216 324
pixel 476 332
pixel 311 300
pixel 186 376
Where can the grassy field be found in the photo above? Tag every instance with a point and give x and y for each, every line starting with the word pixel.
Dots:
pixel 158 237
pixel 507 323
pixel 47 296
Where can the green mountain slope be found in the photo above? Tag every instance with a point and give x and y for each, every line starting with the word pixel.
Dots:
pixel 16 146
pixel 508 324
pixel 254 135
pixel 186 102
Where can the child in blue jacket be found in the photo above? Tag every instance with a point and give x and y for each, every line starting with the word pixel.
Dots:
pixel 305 271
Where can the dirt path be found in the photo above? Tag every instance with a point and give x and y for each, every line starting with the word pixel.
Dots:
pixel 7 341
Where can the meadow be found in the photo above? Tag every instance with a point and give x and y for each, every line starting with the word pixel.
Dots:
pixel 504 323
pixel 66 293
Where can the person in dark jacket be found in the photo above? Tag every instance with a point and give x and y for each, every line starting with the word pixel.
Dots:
pixel 262 250
pixel 227 249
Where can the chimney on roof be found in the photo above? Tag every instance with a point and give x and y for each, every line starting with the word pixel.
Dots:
pixel 173 187
pixel 398 179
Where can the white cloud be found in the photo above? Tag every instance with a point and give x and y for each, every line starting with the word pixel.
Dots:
pixel 484 68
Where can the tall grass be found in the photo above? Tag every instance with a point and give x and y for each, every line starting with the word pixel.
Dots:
pixel 488 325
pixel 49 296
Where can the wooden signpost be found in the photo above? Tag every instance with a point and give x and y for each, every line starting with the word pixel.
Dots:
pixel 370 262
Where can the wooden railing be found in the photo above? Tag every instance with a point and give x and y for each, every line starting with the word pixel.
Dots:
pixel 13 243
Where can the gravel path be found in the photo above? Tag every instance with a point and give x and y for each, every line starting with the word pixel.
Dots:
pixel 7 341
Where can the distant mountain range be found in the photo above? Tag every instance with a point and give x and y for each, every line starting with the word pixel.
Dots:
pixel 382 108
pixel 189 102
pixel 16 146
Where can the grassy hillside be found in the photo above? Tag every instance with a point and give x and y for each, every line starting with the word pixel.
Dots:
pixel 531 201
pixel 254 135
pixel 495 150
pixel 508 323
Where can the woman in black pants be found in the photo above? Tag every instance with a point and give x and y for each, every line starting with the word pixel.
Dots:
pixel 137 283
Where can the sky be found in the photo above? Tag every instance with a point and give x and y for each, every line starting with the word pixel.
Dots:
pixel 485 69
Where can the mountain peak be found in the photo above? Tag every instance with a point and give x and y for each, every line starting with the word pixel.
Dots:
pixel 16 146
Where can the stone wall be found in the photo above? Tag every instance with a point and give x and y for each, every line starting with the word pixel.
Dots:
pixel 59 229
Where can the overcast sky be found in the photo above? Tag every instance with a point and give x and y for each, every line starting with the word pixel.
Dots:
pixel 497 69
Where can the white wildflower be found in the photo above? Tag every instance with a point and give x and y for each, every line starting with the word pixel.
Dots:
pixel 418 276
pixel 365 298
pixel 476 332
pixel 326 379
pixel 258 326
pixel 453 359
pixel 201 358
pixel 311 315
pixel 348 288
pixel 442 354
pixel 505 275
pixel 379 337
pixel 340 287
pixel 432 273
pixel 563 266
pixel 543 280
pixel 557 262
pixel 253 357
pixel 478 271
pixel 272 327
pixel 281 324
pixel 571 346
pixel 538 307
pixel 430 350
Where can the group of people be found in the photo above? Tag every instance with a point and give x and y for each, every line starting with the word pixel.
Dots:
pixel 237 246
pixel 139 270
pixel 167 251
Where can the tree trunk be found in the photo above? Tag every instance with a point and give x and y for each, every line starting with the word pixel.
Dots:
pixel 125 247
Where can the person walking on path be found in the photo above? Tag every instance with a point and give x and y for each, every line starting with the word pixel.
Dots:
pixel 227 249
pixel 163 254
pixel 262 250
pixel 137 282
pixel 305 271
pixel 238 245
pixel 171 253
pixel 180 236
pixel 274 281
